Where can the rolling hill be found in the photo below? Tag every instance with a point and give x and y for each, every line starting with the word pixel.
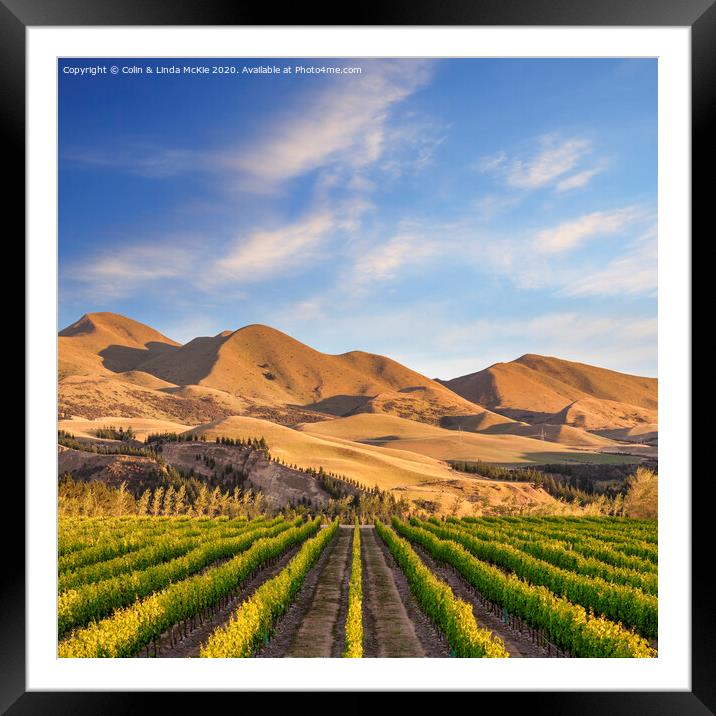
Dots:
pixel 410 474
pixel 235 371
pixel 359 414
pixel 105 343
pixel 499 444
pixel 265 365
pixel 539 389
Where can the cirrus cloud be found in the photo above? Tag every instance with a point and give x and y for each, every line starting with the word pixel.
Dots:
pixel 345 124
pixel 574 233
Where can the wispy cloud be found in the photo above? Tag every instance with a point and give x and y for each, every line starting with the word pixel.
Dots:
pixel 311 310
pixel 574 233
pixel 117 273
pixel 574 325
pixel 634 273
pixel 578 180
pixel 624 342
pixel 554 159
pixel 411 145
pixel 492 205
pixel 549 165
pixel 383 262
pixel 429 337
pixel 345 123
pixel 142 160
pixel 492 162
pixel 266 253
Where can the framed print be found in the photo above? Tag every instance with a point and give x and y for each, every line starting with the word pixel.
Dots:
pixel 355 348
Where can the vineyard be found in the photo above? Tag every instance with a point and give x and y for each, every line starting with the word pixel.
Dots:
pixel 267 587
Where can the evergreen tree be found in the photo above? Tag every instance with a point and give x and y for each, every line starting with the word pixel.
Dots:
pixel 201 502
pixel 143 504
pixel 157 501
pixel 169 501
pixel 180 500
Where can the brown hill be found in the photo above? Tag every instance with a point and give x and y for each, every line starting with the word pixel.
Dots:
pixel 540 389
pixel 501 443
pixel 262 364
pixel 97 396
pixel 592 414
pixel 103 343
pixel 644 433
pixel 407 473
pixel 597 382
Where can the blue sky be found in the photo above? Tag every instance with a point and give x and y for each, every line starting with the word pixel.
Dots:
pixel 448 213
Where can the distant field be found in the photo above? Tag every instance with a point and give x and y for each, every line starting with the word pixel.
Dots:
pixel 141 426
pixel 600 458
pixel 388 431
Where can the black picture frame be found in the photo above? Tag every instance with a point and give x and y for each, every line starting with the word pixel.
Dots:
pixel 699 15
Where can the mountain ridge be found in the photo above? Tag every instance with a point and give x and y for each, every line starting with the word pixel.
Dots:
pixel 261 365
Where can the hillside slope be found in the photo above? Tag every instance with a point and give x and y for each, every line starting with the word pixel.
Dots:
pixel 407 473
pixel 494 445
pixel 541 389
pixel 105 343
pixel 262 364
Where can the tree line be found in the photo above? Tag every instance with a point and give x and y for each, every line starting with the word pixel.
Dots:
pixel 68 440
pixel 109 432
pixel 97 499
pixel 578 486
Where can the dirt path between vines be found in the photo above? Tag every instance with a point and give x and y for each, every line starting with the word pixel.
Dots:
pixel 288 624
pixel 394 626
pixel 322 632
pixel 519 645
pixel 190 645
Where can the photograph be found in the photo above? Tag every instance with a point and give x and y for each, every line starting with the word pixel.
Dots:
pixel 357 358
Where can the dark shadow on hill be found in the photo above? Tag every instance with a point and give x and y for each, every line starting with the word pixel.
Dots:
pixel 540 431
pixel 340 405
pixel 526 416
pixel 468 423
pixel 379 441
pixel 120 358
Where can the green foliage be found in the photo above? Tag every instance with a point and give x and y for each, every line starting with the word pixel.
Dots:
pixel 128 630
pixel 617 602
pixel 453 616
pixel 637 549
pixel 560 553
pixel 70 441
pixel 597 485
pixel 253 620
pixel 570 626
pixel 156 547
pixel 169 437
pixel 79 606
pixel 354 619
pixel 109 432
